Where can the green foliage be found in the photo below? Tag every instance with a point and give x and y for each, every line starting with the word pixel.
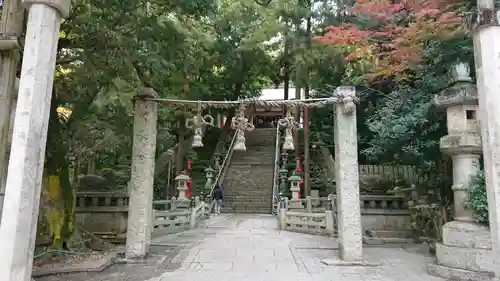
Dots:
pixel 478 201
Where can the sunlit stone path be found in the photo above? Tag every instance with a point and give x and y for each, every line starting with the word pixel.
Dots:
pixel 250 248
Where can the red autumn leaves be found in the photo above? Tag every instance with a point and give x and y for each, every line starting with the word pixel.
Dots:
pixel 393 36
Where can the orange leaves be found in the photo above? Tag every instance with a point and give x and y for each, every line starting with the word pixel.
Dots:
pixel 397 35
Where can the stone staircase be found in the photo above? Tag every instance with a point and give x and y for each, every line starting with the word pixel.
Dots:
pixel 249 179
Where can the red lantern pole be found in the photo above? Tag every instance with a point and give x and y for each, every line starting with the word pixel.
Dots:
pixel 190 181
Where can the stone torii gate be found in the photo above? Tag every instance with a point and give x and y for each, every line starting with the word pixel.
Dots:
pixel 24 176
pixel 143 161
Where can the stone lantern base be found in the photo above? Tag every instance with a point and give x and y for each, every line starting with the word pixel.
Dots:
pixel 465 253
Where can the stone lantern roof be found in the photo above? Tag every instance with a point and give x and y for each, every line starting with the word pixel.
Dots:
pixel 461 90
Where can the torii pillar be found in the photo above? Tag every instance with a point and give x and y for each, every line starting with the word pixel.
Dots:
pixel 29 137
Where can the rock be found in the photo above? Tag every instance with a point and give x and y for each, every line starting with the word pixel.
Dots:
pixel 374 184
pixel 93 183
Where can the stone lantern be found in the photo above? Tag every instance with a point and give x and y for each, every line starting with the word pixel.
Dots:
pixel 295 189
pixel 182 185
pixel 217 160
pixel 464 241
pixel 284 159
pixel 209 175
pixel 282 173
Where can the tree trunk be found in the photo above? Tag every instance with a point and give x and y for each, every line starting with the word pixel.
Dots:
pixel 58 200
pixel 58 195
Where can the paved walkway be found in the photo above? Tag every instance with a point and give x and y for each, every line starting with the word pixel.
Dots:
pixel 249 248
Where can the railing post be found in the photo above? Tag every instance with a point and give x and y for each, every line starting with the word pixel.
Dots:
pixel 329 222
pixel 192 221
pixel 309 206
pixel 153 220
pixel 173 204
pixel 282 214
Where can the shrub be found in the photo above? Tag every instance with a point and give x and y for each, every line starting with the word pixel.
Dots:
pixel 478 201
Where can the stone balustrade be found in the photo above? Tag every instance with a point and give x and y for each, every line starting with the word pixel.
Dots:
pixel 378 212
pixel 106 213
pixel 314 223
pixel 102 212
pixel 179 214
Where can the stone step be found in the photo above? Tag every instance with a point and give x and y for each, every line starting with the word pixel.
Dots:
pixel 451 273
pixel 246 201
pixel 466 235
pixel 385 240
pixel 388 233
pixel 465 258
pixel 256 190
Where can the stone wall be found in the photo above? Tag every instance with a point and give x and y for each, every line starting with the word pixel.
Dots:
pixel 102 212
pixel 384 212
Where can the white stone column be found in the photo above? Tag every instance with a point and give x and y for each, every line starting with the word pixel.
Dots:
pixel 12 24
pixel 464 169
pixel 6 152
pixel 347 177
pixel 487 60
pixel 24 176
pixel 142 176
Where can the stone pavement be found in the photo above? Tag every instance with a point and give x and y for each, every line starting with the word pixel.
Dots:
pixel 250 248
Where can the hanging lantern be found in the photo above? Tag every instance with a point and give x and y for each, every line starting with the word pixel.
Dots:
pixel 240 124
pixel 288 145
pixel 197 123
pixel 289 124
pixel 197 138
pixel 239 144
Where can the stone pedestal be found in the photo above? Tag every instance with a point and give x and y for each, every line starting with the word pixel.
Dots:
pixel 142 176
pixel 29 137
pixel 465 253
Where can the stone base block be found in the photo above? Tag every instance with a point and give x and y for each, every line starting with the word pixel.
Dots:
pixel 340 262
pixel 295 206
pixel 385 241
pixel 465 258
pixel 466 235
pixel 457 274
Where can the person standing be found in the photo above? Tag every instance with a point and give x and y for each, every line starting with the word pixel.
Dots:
pixel 218 196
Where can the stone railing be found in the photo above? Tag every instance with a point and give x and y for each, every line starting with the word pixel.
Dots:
pixel 221 170
pixel 106 213
pixel 102 212
pixel 179 214
pixel 378 212
pixel 315 223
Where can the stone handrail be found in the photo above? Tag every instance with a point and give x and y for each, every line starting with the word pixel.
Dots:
pixel 223 168
pixel 378 212
pixel 315 223
pixel 275 199
pixel 172 204
pixel 101 201
pixel 370 204
pixel 176 215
